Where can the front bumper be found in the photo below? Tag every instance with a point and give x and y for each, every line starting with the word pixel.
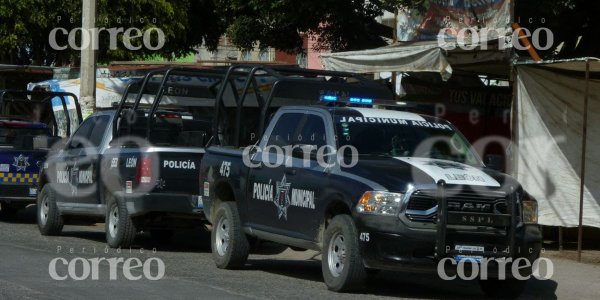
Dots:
pixel 413 249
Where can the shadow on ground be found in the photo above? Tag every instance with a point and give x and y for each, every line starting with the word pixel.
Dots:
pixel 396 284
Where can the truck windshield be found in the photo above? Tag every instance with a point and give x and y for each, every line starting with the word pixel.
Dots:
pixel 406 138
pixel 8 134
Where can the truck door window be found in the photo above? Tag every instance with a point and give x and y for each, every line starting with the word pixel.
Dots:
pixel 82 134
pixel 90 133
pixel 285 129
pixel 312 132
pixel 99 130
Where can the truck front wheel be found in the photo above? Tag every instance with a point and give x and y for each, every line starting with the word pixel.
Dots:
pixel 342 265
pixel 229 243
pixel 49 219
pixel 120 231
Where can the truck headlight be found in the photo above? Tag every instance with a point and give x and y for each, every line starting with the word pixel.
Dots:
pixel 383 203
pixel 530 209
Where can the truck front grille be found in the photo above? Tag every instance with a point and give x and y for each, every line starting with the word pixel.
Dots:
pixel 422 206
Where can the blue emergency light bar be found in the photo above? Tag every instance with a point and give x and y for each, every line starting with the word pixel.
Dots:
pixel 361 100
pixel 329 98
pixel 355 100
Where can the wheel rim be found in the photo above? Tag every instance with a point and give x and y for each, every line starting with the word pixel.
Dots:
pixel 113 221
pixel 336 254
pixel 222 236
pixel 44 209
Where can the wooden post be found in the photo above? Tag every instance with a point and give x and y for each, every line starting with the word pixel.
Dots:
pixel 583 150
pixel 394 40
pixel 87 92
pixel 560 239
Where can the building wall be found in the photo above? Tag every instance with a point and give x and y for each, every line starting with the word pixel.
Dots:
pixel 226 51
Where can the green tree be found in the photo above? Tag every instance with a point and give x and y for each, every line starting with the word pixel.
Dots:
pixel 25 27
pixel 574 24
pixel 340 25
pixel 282 24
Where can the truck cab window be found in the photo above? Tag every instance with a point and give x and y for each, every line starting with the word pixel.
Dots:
pixel 312 132
pixel 90 133
pixel 285 130
pixel 82 134
pixel 99 129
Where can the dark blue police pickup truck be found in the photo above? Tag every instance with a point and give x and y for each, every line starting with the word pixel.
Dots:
pixel 134 167
pixel 19 163
pixel 370 189
pixel 30 124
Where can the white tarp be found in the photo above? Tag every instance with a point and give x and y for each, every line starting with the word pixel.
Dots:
pixel 429 56
pixel 549 131
pixel 108 90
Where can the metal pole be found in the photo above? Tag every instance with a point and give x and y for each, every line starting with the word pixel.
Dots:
pixel 583 150
pixel 394 40
pixel 87 93
pixel 560 239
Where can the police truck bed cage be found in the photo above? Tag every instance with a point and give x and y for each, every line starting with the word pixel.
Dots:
pixel 40 97
pixel 231 89
pixel 156 83
pixel 296 85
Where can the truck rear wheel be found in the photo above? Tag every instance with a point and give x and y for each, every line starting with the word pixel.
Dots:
pixel 120 231
pixel 342 265
pixel 49 219
pixel 509 288
pixel 229 243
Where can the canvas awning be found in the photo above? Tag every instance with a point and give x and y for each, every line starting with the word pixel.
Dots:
pixel 425 56
pixel 555 129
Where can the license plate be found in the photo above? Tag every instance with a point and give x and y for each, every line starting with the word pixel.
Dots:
pixel 467 253
pixel 476 219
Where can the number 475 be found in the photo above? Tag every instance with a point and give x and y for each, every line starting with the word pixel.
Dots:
pixel 364 237
pixel 225 168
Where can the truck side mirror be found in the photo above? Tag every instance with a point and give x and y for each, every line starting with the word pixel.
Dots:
pixel 495 162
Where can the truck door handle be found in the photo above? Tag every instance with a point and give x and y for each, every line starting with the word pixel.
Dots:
pixel 290 171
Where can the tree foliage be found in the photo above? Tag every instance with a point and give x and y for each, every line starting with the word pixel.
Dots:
pixel 339 25
pixel 25 27
pixel 574 23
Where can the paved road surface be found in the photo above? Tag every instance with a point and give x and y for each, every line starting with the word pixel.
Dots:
pixel 25 256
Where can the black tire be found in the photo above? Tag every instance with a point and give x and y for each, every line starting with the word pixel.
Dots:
pixel 161 235
pixel 49 219
pixel 348 272
pixel 8 211
pixel 510 288
pixel 120 230
pixel 229 243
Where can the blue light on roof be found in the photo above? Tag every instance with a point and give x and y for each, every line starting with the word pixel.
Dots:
pixel 354 100
pixel 329 98
pixel 366 100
